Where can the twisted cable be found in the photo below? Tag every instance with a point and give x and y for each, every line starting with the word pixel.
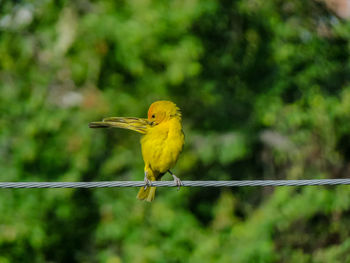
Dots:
pixel 106 184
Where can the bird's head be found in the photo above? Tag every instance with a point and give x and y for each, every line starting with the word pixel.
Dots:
pixel 163 110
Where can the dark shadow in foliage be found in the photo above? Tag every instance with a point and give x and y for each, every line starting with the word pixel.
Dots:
pixel 20 251
pixel 228 62
pixel 74 234
pixel 307 235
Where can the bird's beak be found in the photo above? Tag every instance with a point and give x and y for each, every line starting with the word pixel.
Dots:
pixel 135 124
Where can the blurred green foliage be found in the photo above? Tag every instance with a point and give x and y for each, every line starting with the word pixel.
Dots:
pixel 265 93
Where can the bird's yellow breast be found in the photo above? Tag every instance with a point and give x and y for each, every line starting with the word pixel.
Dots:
pixel 162 144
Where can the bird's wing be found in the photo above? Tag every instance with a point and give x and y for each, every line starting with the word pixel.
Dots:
pixel 135 124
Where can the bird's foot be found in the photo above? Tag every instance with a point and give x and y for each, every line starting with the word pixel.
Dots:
pixel 147 182
pixel 177 181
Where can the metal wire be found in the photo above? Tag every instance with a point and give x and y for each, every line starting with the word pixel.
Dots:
pixel 106 184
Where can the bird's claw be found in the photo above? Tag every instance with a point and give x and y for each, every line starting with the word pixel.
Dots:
pixel 147 183
pixel 177 182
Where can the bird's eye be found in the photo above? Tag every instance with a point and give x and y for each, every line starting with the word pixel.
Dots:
pixel 153 116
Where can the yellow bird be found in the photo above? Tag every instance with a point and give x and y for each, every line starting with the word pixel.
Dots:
pixel 161 143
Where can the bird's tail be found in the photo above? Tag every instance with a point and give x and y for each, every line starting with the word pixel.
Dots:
pixel 147 194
